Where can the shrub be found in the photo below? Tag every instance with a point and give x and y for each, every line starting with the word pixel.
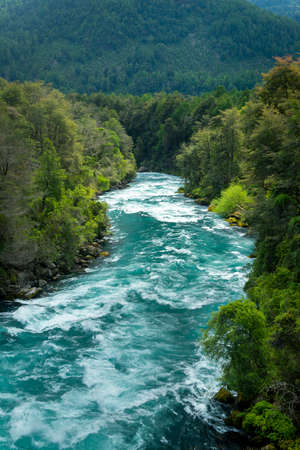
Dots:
pixel 267 421
pixel 235 197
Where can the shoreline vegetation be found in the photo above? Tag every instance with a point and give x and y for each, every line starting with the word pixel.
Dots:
pixel 238 153
pixel 246 165
pixel 56 155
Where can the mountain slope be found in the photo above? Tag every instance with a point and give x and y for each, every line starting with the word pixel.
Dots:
pixel 140 45
pixel 289 8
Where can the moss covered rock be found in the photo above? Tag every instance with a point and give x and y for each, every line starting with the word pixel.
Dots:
pixel 232 220
pixel 235 419
pixel 224 396
pixel 30 293
pixel 104 254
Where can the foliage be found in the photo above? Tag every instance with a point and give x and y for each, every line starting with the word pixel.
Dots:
pixel 55 154
pixel 160 123
pixel 103 183
pixel 210 160
pixel 283 7
pixel 234 198
pixel 50 177
pixel 267 156
pixel 139 46
pixel 237 336
pixel 267 421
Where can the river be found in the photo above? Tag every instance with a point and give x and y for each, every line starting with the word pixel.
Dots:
pixel 110 359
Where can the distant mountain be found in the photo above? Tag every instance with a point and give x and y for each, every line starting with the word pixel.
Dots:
pixel 141 46
pixel 289 8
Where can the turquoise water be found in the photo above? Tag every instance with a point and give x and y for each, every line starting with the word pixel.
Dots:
pixel 109 359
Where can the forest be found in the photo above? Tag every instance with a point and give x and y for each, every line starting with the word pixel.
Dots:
pixel 171 87
pixel 56 154
pixel 246 163
pixel 237 151
pixel 289 8
pixel 137 46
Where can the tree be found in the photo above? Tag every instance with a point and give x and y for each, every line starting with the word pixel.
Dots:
pixel 237 337
pixel 50 177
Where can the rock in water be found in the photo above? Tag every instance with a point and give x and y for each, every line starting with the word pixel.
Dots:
pixel 30 293
pixel 104 254
pixel 224 396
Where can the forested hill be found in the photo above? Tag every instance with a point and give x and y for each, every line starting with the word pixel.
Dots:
pixel 289 8
pixel 139 46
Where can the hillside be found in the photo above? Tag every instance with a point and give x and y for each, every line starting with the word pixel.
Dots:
pixel 139 46
pixel 289 8
pixel 55 155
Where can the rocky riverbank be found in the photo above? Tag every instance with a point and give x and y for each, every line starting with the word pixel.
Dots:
pixel 29 282
pixel 258 423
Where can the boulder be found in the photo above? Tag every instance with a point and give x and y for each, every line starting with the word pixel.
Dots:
pixel 104 254
pixel 89 257
pixel 42 283
pixel 30 293
pixel 83 263
pixel 25 278
pixel 45 272
pixel 224 396
pixel 56 277
pixel 93 250
pixel 235 419
pixel 242 224
pixel 236 214
pixel 232 220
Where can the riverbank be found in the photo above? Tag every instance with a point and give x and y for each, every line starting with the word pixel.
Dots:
pixel 116 348
pixel 33 280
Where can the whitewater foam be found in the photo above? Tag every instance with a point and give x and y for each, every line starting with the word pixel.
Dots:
pixel 110 359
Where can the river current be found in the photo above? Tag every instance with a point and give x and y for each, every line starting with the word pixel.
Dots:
pixel 110 359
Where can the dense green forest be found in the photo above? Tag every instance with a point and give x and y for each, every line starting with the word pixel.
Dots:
pixel 55 155
pixel 239 152
pixel 289 8
pixel 246 161
pixel 138 46
pixel 160 123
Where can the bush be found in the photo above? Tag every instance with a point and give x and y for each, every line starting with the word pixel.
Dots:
pixel 267 421
pixel 234 198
